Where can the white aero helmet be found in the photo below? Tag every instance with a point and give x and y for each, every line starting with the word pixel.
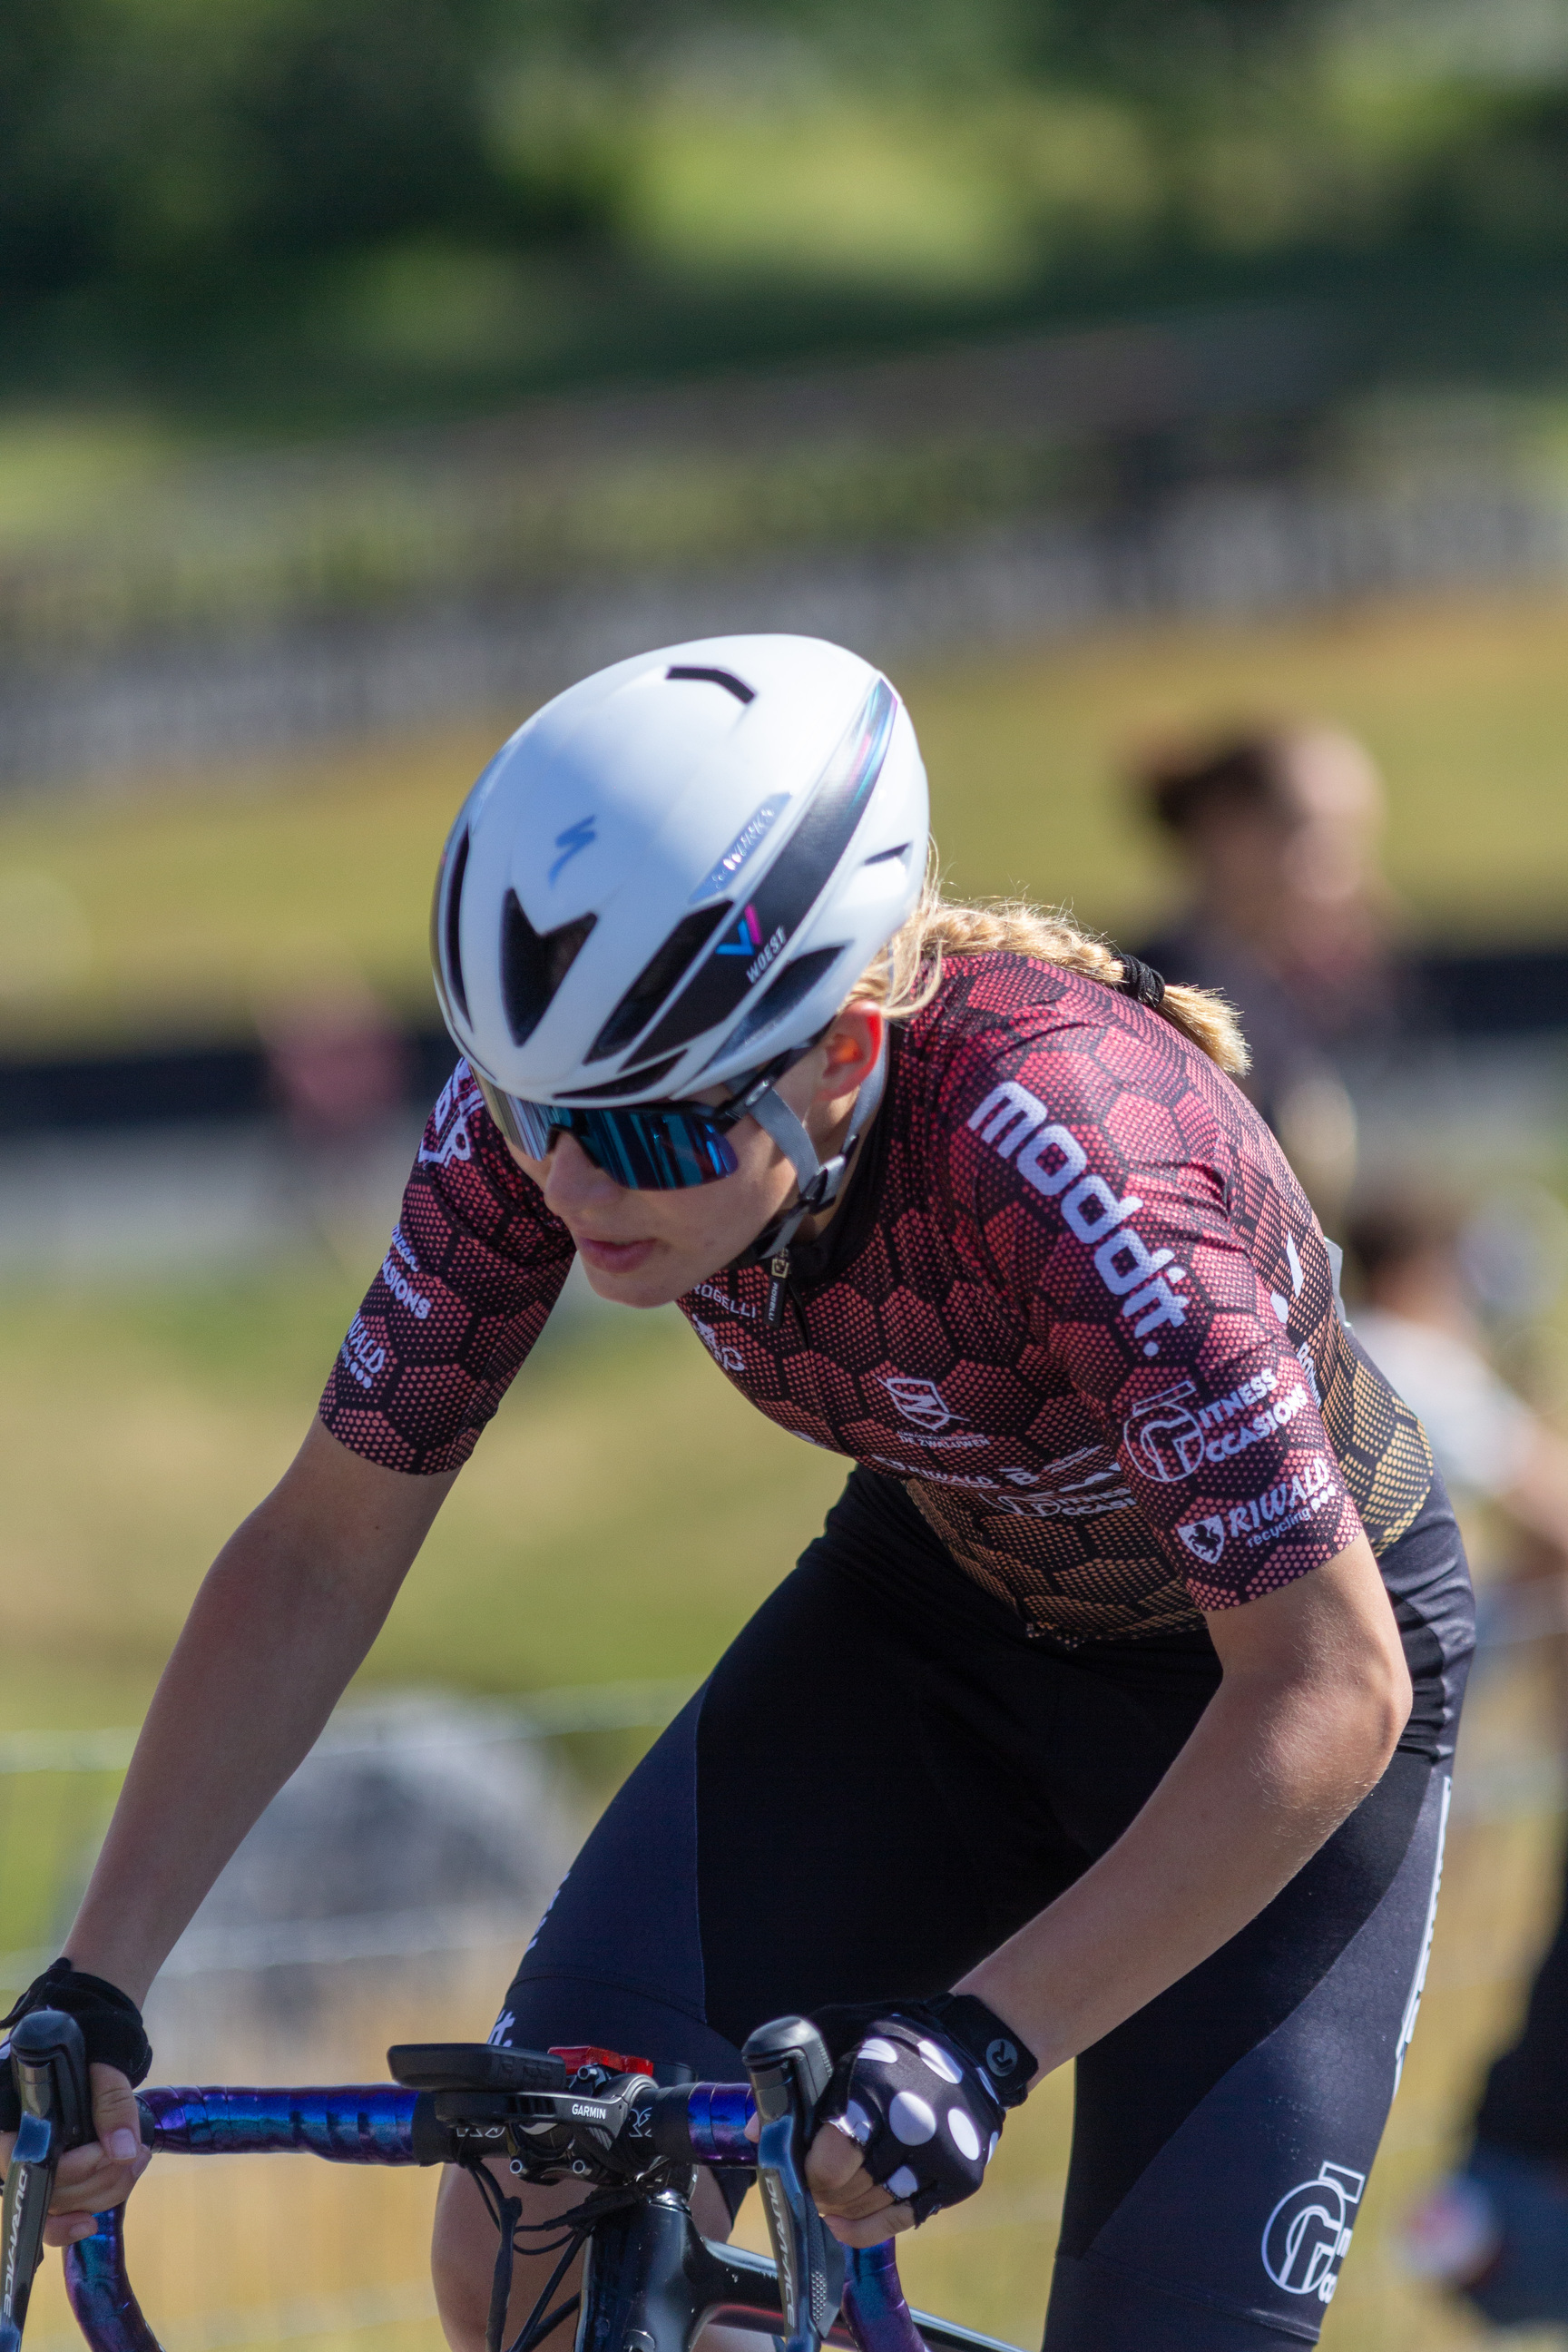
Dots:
pixel 674 873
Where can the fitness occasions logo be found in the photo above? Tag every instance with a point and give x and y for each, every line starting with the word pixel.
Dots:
pixel 1163 1435
pixel 1166 1438
pixel 1308 2234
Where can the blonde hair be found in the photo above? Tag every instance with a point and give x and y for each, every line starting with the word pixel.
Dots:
pixel 908 972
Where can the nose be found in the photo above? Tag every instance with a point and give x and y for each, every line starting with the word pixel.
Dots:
pixel 570 1182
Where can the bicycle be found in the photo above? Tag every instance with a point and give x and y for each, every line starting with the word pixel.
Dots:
pixel 650 2281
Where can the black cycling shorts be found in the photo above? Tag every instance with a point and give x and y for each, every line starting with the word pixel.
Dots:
pixel 884 1778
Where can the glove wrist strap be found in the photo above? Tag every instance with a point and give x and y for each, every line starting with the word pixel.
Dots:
pixel 110 2019
pixel 1009 2065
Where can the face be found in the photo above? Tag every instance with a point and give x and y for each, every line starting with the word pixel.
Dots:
pixel 1337 800
pixel 643 1249
pixel 1310 853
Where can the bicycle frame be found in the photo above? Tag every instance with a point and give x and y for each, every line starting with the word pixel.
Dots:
pixel 651 2281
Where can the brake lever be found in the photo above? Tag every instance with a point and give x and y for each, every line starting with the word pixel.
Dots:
pixel 49 2065
pixel 789 2070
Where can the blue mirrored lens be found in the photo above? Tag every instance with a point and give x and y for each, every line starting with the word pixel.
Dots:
pixel 650 1148
pixel 646 1147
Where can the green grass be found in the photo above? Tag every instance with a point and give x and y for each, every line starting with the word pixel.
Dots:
pixel 620 1518
pixel 194 906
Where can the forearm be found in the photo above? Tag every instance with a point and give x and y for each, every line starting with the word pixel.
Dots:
pixel 283 1618
pixel 1266 1776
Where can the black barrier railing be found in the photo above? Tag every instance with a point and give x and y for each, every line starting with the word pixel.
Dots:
pixel 1483 993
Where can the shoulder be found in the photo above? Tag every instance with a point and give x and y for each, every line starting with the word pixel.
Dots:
pixel 1003 1026
pixel 470 1181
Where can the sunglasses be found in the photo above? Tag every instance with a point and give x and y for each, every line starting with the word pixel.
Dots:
pixel 647 1147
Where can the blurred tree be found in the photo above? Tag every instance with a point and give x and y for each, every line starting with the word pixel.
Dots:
pixel 211 157
pixel 172 141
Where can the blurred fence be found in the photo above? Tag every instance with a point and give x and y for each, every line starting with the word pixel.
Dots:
pixel 986 493
pixel 1208 551
pixel 58 1788
pixel 387 1895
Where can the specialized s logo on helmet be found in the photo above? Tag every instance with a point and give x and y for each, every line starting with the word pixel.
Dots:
pixel 577 837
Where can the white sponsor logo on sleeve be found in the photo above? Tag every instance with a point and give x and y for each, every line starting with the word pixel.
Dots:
pixel 1290 1502
pixel 455 1103
pixel 365 1357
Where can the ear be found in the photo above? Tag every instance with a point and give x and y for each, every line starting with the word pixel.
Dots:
pixel 850 1050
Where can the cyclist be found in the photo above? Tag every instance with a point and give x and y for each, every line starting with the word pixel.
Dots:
pixel 1109 1716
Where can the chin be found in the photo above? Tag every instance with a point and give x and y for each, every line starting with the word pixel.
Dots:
pixel 638 1288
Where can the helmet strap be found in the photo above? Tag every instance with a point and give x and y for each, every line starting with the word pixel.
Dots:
pixel 820 1181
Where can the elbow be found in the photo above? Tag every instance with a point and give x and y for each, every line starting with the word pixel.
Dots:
pixel 1392 1714
pixel 1379 1710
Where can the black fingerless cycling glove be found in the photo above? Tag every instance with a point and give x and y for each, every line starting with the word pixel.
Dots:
pixel 110 2026
pixel 924 2087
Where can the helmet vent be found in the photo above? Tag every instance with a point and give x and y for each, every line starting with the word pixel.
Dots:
pixel 630 1082
pixel 724 677
pixel 534 964
pixel 793 883
pixel 656 980
pixel 451 939
pixel 795 982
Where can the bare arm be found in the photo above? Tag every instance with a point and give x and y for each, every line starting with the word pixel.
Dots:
pixel 284 1616
pixel 1314 1696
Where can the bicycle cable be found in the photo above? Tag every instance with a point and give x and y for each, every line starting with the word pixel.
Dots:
pixel 576 2224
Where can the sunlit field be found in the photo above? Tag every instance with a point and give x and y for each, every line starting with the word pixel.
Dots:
pixel 189 905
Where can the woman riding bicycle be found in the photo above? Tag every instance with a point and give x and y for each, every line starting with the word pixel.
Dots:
pixel 1109 1716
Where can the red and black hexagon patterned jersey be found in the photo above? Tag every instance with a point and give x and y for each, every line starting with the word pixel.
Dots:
pixel 1075 1300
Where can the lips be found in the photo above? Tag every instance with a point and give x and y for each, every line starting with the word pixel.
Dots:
pixel 613 1257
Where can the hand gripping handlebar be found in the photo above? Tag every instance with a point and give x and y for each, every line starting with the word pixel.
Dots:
pixel 49 2063
pixel 790 2068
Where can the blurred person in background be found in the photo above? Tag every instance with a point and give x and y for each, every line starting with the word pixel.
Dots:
pixel 338 1068
pixel 1497 2229
pixel 1288 916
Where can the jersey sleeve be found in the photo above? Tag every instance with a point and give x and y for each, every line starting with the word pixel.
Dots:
pixel 475 1263
pixel 1094 1181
